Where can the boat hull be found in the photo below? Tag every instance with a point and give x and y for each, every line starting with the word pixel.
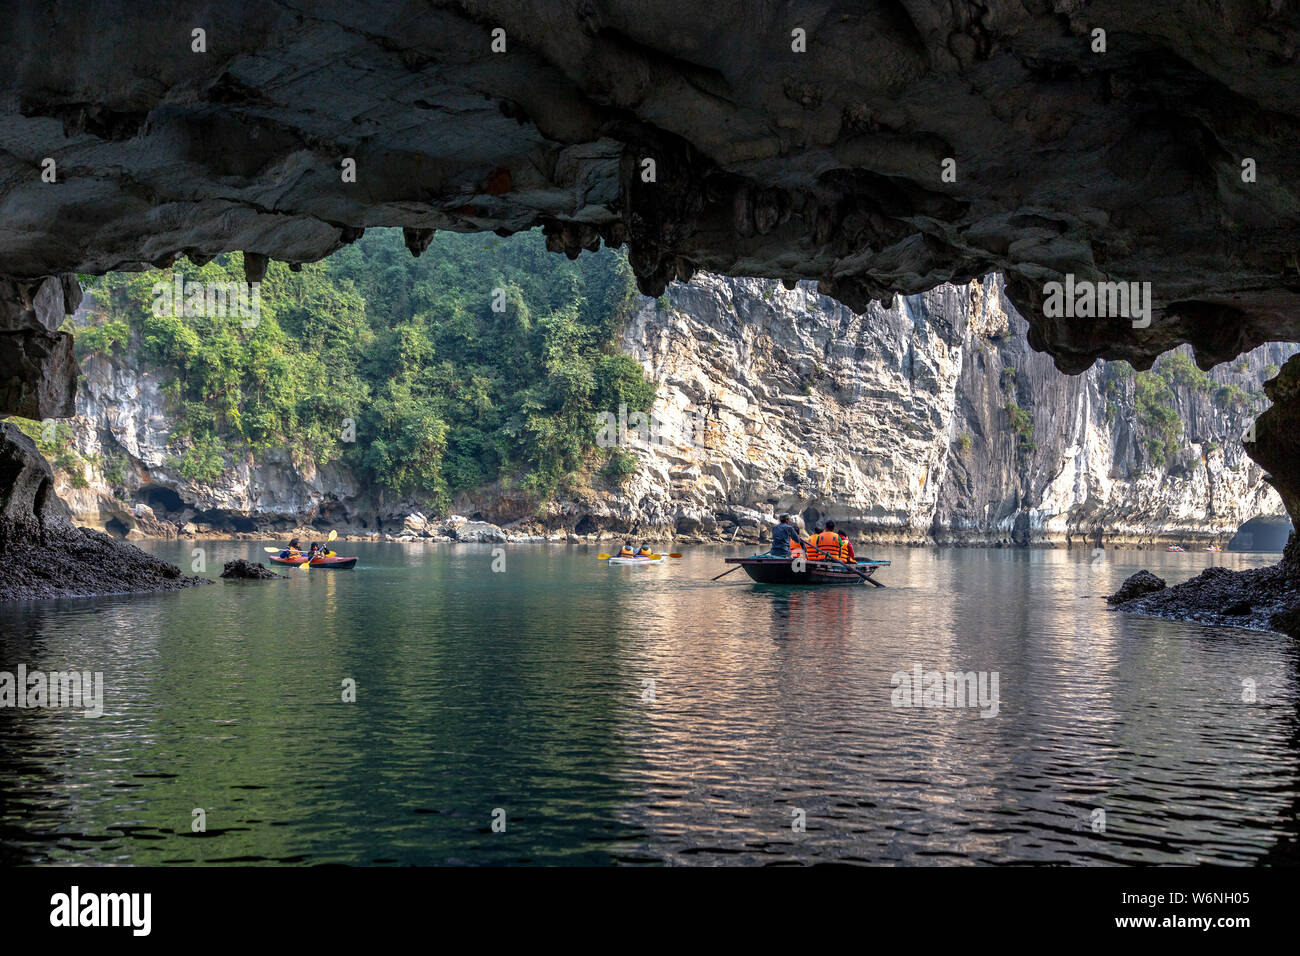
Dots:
pixel 636 560
pixel 769 570
pixel 335 563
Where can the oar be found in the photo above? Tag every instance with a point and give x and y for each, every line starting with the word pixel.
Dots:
pixel 725 573
pixel 864 577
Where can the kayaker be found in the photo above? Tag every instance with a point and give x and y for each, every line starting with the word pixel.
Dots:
pixel 627 551
pixel 782 536
pixel 645 551
pixel 314 552
pixel 293 551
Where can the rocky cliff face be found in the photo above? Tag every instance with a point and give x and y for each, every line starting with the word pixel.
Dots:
pixel 931 420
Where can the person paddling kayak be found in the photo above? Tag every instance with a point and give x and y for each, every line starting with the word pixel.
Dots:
pixel 293 551
pixel 627 551
pixel 645 551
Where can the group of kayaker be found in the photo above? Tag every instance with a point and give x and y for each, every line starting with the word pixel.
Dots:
pixel 824 544
pixel 311 554
pixel 627 551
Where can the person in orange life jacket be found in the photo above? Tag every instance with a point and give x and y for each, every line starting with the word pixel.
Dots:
pixel 829 544
pixel 627 551
pixel 293 551
pixel 645 551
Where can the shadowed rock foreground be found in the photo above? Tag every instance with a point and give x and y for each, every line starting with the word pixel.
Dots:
pixel 43 555
pixel 1261 598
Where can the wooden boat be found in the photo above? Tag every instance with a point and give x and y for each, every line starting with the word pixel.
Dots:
pixel 336 563
pixel 766 569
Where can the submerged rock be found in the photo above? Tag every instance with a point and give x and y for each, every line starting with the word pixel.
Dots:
pixel 1138 585
pixel 251 570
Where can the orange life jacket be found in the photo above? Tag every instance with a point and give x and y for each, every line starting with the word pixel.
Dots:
pixel 626 553
pixel 826 543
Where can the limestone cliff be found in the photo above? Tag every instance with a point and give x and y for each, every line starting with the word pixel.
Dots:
pixel 931 420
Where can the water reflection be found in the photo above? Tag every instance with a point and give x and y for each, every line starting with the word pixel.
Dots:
pixel 647 715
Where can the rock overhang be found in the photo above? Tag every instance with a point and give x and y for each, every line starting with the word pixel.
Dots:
pixel 817 155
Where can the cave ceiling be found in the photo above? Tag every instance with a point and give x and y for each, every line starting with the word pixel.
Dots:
pixel 877 147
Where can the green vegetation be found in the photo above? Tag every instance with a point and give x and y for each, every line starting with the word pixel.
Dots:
pixel 1022 423
pixel 964 442
pixel 113 468
pixel 108 338
pixel 54 441
pixel 1177 368
pixel 1159 426
pixel 1232 396
pixel 621 466
pixel 471 364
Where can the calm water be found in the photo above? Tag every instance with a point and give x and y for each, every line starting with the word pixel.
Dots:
pixel 525 691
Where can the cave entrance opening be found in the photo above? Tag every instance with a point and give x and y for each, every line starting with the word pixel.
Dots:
pixel 226 521
pixel 163 501
pixel 1262 533
pixel 116 527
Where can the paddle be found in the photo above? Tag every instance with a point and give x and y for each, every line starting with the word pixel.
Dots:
pixel 725 573
pixel 333 535
pixel 864 577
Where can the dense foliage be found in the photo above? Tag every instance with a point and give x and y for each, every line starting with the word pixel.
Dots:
pixel 482 360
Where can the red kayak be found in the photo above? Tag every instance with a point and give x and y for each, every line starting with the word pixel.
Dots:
pixel 334 562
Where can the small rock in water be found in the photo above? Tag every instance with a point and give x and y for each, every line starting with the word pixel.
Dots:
pixel 255 570
pixel 1139 585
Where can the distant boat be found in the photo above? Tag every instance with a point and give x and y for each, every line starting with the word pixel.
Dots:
pixel 1174 547
pixel 1213 548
